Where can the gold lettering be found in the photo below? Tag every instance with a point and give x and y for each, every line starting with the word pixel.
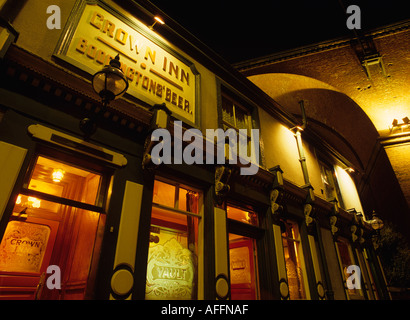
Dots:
pixel 108 27
pixel 159 90
pixel 168 94
pixel 180 100
pixel 100 17
pixel 100 56
pixel 184 76
pixel 186 107
pixel 91 51
pixel 164 66
pixel 152 86
pixel 145 82
pixel 138 76
pixel 133 44
pixel 81 46
pixel 130 73
pixel 121 36
pixel 173 68
pixel 174 98
pixel 150 54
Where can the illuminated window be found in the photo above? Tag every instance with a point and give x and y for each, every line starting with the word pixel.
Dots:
pixel 245 216
pixel 172 265
pixel 65 181
pixel 292 251
pixel 55 222
pixel 347 259
pixel 235 116
pixel 331 187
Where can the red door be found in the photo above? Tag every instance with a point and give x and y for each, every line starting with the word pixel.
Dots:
pixel 242 269
pixel 25 253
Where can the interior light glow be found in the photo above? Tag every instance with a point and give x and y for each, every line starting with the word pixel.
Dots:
pixel 58 175
pixel 34 202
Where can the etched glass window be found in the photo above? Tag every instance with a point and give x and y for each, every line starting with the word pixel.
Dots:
pixel 294 271
pixel 172 265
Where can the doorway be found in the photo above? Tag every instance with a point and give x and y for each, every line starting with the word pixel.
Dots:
pixel 57 220
pixel 243 228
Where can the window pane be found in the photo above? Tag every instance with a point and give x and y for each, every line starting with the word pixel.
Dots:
pixel 36 207
pixel 227 111
pixel 62 180
pixel 241 118
pixel 346 258
pixel 244 216
pixel 164 194
pixel 172 256
pixel 293 263
pixel 243 267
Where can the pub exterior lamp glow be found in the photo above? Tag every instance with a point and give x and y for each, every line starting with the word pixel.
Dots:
pixel 157 20
pixel 109 83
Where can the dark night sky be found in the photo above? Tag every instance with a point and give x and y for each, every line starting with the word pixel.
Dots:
pixel 241 30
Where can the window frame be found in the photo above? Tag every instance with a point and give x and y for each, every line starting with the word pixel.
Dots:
pixel 199 285
pixel 323 166
pixel 251 111
pixel 301 257
pixel 73 160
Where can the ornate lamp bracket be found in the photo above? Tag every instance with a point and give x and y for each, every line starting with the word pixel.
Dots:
pixel 354 226
pixel 160 120
pixel 308 206
pixel 333 218
pixel 276 193
pixel 222 175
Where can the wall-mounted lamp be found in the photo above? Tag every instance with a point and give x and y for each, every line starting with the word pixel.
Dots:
pixel 396 125
pixel 376 222
pixel 109 83
pixel 298 128
pixel 349 169
pixel 157 20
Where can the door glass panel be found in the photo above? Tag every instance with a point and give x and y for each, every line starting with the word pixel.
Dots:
pixel 243 267
pixel 65 181
pixel 45 230
pixel 23 246
pixel 172 256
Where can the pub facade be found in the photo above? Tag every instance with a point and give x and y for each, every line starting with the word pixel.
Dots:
pixel 95 195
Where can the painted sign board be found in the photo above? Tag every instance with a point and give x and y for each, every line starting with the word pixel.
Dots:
pixel 156 72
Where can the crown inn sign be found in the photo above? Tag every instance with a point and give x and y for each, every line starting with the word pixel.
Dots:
pixel 157 73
